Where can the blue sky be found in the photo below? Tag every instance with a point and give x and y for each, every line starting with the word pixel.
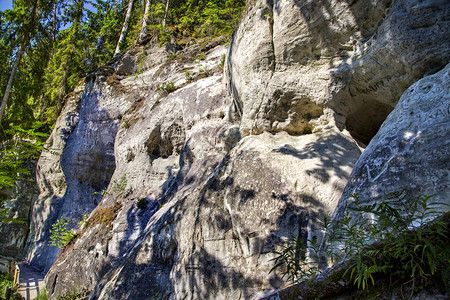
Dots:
pixel 5 4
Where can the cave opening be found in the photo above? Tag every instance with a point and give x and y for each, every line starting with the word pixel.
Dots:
pixel 364 122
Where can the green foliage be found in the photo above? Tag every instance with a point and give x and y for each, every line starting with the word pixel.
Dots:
pixel 291 257
pixel 119 185
pixel 60 235
pixel 201 56
pixel 19 148
pixel 393 236
pixel 116 186
pixel 42 295
pixel 168 87
pixel 189 76
pixel 222 62
pixel 5 280
pixel 83 221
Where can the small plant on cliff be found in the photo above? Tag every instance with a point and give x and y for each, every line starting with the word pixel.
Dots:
pixel 167 87
pixel 222 62
pixel 42 295
pixel 189 76
pixel 391 236
pixel 5 280
pixel 291 256
pixel 120 185
pixel 60 235
pixel 83 221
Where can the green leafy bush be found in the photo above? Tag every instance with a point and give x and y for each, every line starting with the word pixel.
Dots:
pixel 42 295
pixel 189 76
pixel 60 235
pixel 167 87
pixel 119 185
pixel 401 236
pixel 5 280
pixel 16 152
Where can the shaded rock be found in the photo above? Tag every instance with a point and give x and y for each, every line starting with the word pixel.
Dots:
pixel 75 167
pixel 13 235
pixel 214 237
pixel 228 175
pixel 411 150
pixel 127 64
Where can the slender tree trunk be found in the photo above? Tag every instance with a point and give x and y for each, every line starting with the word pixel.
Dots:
pixel 145 22
pixel 23 45
pixel 125 25
pixel 11 79
pixel 166 11
pixel 75 28
pixel 55 22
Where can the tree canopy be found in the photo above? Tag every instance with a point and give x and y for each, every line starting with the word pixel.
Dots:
pixel 48 46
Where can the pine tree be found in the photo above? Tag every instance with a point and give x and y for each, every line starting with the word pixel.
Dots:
pixel 126 24
pixel 66 66
pixel 100 33
pixel 26 30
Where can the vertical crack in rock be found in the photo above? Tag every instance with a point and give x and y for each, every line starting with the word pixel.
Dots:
pixel 238 105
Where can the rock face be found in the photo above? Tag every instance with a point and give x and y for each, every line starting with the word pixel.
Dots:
pixel 13 235
pixel 410 151
pixel 206 173
pixel 289 59
pixel 75 169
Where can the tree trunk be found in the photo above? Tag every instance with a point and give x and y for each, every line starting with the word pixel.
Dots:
pixel 125 25
pixel 26 37
pixel 11 79
pixel 55 22
pixel 73 39
pixel 166 11
pixel 145 20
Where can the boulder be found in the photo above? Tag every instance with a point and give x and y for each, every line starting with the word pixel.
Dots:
pixel 410 152
pixel 290 59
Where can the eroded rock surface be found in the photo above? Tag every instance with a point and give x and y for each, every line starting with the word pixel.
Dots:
pixel 410 152
pixel 206 173
pixel 13 235
pixel 75 167
pixel 289 59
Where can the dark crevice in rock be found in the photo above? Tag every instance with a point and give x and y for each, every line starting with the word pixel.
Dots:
pixel 269 15
pixel 165 143
pixel 364 122
pixel 54 284
pixel 238 105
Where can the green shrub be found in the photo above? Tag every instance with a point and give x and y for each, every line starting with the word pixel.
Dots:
pixel 42 295
pixel 394 236
pixel 201 56
pixel 5 280
pixel 222 62
pixel 119 185
pixel 189 76
pixel 167 87
pixel 60 235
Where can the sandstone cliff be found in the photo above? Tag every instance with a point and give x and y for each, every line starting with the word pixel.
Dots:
pixel 208 166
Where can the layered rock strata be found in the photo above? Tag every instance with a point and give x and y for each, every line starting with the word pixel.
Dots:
pixel 206 173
